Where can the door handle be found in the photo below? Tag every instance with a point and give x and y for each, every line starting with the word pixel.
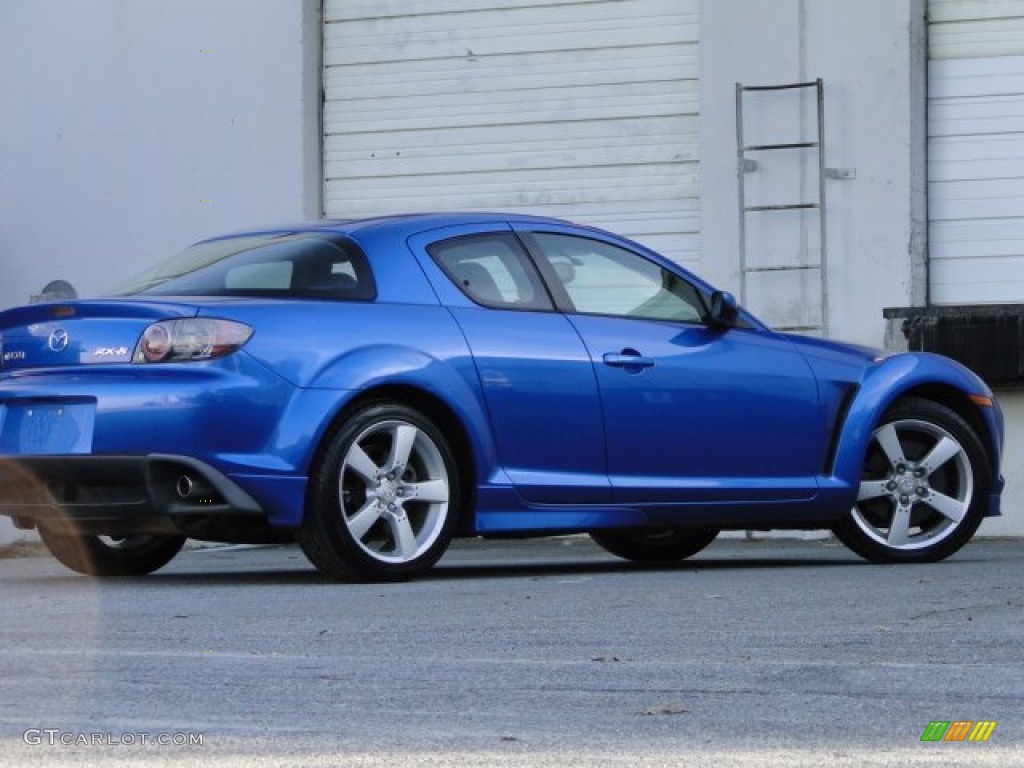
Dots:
pixel 627 358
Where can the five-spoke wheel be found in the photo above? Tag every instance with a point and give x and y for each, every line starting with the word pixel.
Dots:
pixel 384 498
pixel 924 486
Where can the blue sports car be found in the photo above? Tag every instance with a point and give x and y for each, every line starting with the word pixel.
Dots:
pixel 375 388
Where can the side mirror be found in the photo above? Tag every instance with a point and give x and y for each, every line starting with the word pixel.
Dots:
pixel 724 309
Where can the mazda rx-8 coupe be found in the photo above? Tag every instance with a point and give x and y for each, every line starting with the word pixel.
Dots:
pixel 376 388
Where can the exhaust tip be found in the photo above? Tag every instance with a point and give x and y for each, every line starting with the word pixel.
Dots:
pixel 195 488
pixel 185 487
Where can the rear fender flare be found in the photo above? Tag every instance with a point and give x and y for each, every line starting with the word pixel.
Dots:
pixel 454 382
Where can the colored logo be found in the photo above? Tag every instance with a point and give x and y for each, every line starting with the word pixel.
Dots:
pixel 58 340
pixel 958 730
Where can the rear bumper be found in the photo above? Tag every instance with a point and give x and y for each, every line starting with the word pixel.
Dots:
pixel 90 491
pixel 108 443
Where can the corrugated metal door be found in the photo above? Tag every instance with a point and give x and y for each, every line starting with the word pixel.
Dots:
pixel 976 151
pixel 584 109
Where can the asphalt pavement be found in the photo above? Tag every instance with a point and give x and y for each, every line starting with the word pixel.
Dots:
pixel 537 653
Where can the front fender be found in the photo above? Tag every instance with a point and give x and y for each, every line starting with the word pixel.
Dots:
pixel 886 382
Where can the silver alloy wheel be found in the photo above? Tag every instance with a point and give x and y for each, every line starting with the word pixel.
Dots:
pixel 394 491
pixel 918 489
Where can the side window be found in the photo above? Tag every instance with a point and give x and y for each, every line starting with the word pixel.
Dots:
pixel 603 279
pixel 492 269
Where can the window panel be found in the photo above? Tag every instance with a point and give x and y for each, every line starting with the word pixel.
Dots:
pixel 493 270
pixel 294 265
pixel 603 279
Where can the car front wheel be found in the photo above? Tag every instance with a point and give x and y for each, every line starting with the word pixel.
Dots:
pixel 112 555
pixel 384 498
pixel 655 545
pixel 924 487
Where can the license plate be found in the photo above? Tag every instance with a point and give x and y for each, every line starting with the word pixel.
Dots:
pixel 46 428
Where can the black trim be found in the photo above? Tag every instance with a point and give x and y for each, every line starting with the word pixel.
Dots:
pixel 554 286
pixel 838 422
pixel 987 338
pixel 97 489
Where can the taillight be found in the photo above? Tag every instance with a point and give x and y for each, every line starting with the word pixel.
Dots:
pixel 195 338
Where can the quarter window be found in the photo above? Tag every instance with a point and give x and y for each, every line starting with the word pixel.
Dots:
pixel 493 270
pixel 604 279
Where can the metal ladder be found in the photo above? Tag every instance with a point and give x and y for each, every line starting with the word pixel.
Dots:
pixel 745 165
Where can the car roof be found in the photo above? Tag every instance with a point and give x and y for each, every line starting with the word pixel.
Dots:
pixel 403 224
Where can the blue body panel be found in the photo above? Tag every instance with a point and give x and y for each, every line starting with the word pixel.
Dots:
pixel 730 427
pixel 718 416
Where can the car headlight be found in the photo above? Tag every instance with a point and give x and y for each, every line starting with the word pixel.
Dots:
pixel 194 338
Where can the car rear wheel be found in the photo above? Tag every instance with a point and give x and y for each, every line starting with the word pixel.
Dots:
pixel 112 555
pixel 924 488
pixel 384 498
pixel 655 545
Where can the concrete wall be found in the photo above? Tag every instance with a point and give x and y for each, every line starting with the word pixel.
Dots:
pixel 871 57
pixel 133 128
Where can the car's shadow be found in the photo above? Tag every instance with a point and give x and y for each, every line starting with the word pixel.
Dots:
pixel 264 573
pixel 223 567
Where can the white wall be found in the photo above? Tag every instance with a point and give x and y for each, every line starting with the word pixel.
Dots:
pixel 872 59
pixel 870 55
pixel 122 118
pixel 131 128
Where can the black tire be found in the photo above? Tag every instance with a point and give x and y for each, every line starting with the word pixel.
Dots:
pixel 374 514
pixel 654 545
pixel 924 487
pixel 110 556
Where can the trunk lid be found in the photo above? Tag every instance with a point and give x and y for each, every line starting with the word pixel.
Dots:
pixel 76 333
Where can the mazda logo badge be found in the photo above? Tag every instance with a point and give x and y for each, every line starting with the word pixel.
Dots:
pixel 58 340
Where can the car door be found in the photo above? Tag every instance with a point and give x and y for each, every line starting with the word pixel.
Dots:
pixel 693 413
pixel 537 379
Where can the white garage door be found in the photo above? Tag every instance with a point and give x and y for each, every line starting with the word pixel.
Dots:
pixel 583 109
pixel 976 151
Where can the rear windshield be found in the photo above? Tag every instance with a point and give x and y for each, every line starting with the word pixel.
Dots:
pixel 306 265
